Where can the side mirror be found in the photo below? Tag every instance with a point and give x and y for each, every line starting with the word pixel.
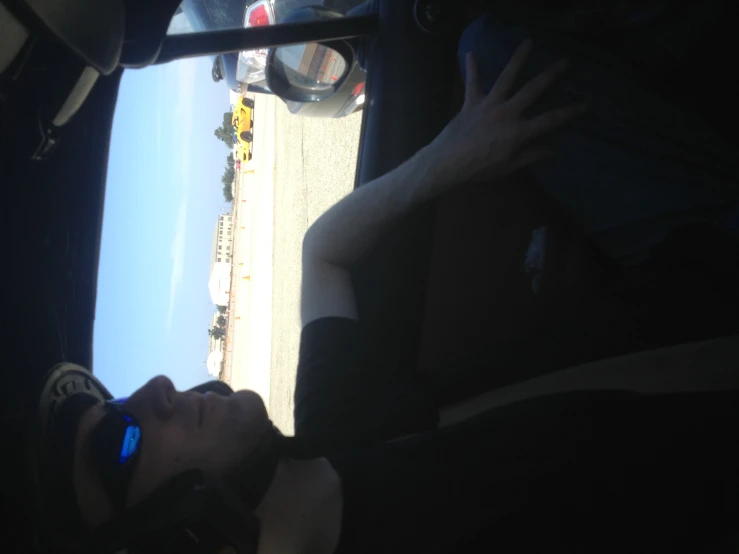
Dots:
pixel 309 72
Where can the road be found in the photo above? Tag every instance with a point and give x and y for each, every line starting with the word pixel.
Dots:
pixel 302 166
pixel 251 282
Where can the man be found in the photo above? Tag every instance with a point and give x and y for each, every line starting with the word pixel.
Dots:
pixel 587 471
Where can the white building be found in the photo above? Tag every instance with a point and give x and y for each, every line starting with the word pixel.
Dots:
pixel 219 284
pixel 213 363
pixel 223 239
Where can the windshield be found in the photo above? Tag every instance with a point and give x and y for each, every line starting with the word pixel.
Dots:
pixel 212 183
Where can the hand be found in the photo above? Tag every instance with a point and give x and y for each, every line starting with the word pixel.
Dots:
pixel 490 138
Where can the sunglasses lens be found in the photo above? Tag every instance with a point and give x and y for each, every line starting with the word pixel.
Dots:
pixel 130 442
pixel 116 442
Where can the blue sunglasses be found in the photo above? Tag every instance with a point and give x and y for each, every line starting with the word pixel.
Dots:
pixel 115 448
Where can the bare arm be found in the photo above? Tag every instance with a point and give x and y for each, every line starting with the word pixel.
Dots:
pixel 489 138
pixel 349 229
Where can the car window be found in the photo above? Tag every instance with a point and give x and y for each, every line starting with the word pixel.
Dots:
pixel 212 183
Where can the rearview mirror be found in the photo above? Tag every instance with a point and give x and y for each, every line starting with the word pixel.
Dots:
pixel 307 72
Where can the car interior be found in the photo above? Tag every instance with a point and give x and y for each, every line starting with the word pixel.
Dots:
pixel 445 293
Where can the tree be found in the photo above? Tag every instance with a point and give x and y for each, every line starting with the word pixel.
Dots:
pixel 230 161
pixel 221 321
pixel 229 174
pixel 222 309
pixel 225 131
pixel 227 194
pixel 228 178
pixel 217 332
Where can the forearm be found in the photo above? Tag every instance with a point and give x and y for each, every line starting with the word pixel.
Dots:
pixel 352 226
pixel 488 139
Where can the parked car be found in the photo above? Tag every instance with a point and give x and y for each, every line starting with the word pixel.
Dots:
pixel 241 154
pixel 242 121
pixel 213 15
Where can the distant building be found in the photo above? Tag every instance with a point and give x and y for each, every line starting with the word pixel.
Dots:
pixel 223 239
pixel 213 363
pixel 219 284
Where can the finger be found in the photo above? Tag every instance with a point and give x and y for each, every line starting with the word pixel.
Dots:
pixel 472 86
pixel 533 90
pixel 507 78
pixel 548 122
pixel 531 156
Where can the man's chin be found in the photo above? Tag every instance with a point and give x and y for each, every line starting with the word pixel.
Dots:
pixel 251 403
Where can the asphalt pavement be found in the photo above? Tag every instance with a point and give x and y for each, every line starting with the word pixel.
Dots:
pixel 301 166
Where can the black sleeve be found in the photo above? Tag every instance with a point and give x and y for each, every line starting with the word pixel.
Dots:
pixel 346 394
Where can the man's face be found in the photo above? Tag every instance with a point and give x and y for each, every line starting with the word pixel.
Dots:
pixel 179 431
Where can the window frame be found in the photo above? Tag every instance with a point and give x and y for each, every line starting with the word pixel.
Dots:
pixel 210 43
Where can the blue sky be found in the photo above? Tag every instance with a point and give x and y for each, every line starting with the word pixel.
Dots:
pixel 162 201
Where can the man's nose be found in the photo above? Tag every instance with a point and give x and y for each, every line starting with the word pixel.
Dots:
pixel 157 396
